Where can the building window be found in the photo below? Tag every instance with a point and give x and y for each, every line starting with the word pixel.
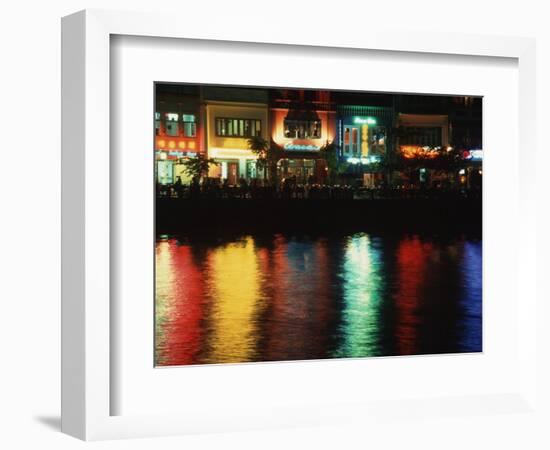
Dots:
pixel 346 140
pixel 377 140
pixel 227 127
pixel 302 129
pixel 351 140
pixel 165 172
pixel 157 123
pixel 354 140
pixel 251 171
pixel 189 125
pixel 171 123
pixel 422 136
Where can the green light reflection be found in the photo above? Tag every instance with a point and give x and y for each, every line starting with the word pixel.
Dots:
pixel 362 293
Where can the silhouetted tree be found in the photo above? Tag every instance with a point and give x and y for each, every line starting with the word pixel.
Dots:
pixel 329 152
pixel 260 147
pixel 269 153
pixel 274 154
pixel 198 167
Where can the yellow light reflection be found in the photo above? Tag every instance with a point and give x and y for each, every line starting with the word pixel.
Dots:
pixel 236 288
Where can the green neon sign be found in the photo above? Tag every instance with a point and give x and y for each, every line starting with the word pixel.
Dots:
pixel 364 120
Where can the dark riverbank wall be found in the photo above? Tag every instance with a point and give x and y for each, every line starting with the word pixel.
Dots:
pixel 221 216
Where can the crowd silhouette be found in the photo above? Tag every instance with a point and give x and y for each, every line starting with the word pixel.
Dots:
pixel 290 188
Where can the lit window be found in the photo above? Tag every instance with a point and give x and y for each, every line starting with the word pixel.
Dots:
pixel 237 127
pixel 220 128
pixel 302 129
pixel 354 140
pixel 377 140
pixel 189 125
pixel 171 123
pixel 157 123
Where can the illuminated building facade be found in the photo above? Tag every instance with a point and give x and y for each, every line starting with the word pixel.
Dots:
pixel 233 116
pixel 302 122
pixel 367 129
pixel 422 137
pixel 430 123
pixel 364 139
pixel 179 130
pixel 464 115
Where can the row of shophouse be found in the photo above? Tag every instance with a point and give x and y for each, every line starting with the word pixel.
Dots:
pixel 219 121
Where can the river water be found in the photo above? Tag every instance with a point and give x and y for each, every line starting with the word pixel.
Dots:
pixel 288 297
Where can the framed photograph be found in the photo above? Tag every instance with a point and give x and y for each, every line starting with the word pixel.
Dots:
pixel 265 230
pixel 305 224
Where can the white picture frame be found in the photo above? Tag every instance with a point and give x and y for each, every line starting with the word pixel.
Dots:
pixel 86 248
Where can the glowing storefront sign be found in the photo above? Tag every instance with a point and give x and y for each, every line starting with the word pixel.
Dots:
pixel 474 155
pixel 364 120
pixel 367 160
pixel 300 147
pixel 171 154
pixel 364 140
pixel 163 143
pixel 231 153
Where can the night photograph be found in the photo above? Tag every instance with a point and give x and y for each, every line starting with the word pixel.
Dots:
pixel 307 224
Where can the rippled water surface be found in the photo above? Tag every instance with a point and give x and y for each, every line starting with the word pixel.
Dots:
pixel 284 297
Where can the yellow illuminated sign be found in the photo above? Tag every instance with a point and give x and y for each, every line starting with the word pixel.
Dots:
pixel 364 140
pixel 231 153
